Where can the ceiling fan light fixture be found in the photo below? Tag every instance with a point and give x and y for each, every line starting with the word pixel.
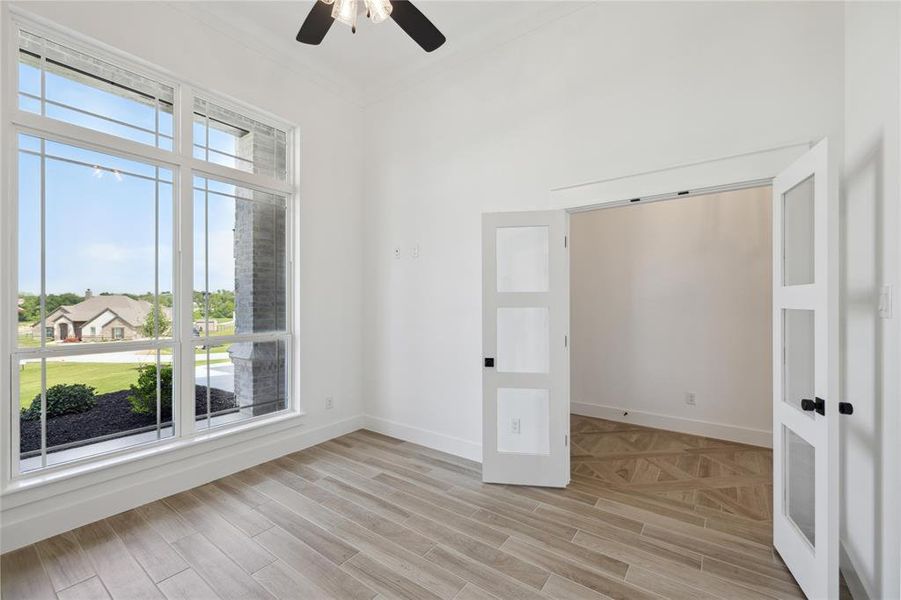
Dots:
pixel 409 18
pixel 345 11
pixel 379 10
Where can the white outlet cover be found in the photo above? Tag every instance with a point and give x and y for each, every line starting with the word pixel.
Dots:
pixel 329 403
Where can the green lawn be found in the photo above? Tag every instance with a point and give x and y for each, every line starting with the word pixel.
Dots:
pixel 104 377
pixel 27 340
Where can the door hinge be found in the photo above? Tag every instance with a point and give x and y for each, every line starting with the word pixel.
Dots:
pixel 565 241
pixel 565 440
pixel 565 341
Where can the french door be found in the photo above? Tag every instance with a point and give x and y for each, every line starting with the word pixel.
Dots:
pixel 805 372
pixel 525 425
pixel 526 361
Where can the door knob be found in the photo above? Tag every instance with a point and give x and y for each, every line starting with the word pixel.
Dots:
pixel 845 408
pixel 819 405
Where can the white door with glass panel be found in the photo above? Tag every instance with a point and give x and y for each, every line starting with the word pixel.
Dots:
pixel 525 425
pixel 805 372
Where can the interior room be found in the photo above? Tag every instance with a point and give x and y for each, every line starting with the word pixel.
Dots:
pixel 672 314
pixel 457 299
pixel 672 352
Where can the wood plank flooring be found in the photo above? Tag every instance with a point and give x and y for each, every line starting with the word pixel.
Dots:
pixel 650 514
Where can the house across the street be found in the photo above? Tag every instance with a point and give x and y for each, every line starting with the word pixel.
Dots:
pixel 98 318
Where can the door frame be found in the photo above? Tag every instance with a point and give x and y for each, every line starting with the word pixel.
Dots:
pixel 717 175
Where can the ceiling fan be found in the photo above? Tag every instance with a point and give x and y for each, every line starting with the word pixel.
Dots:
pixel 410 19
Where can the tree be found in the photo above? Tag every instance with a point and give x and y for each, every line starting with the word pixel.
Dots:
pixel 222 304
pixel 31 308
pixel 143 395
pixel 149 328
pixel 31 305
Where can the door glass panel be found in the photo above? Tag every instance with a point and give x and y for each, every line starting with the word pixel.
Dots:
pixel 522 259
pixel 797 236
pixel 522 340
pixel 523 420
pixel 799 350
pixel 800 483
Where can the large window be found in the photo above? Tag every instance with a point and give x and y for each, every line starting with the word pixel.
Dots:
pixel 113 346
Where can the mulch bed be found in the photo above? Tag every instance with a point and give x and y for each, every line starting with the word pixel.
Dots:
pixel 111 415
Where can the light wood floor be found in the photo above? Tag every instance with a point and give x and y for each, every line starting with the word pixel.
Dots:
pixel 649 514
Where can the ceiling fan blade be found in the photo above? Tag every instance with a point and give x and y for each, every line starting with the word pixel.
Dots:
pixel 416 25
pixel 316 24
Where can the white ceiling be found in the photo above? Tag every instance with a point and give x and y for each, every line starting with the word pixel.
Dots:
pixel 379 56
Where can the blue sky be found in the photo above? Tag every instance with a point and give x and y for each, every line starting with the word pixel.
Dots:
pixel 100 225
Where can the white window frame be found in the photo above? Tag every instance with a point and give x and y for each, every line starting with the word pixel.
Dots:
pixel 184 167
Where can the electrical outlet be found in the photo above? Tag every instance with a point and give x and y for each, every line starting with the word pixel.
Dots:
pixel 517 426
pixel 397 252
pixel 329 403
pixel 414 251
pixel 690 398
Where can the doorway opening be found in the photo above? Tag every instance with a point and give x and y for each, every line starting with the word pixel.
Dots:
pixel 671 351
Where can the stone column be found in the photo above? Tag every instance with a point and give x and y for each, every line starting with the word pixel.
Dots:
pixel 259 289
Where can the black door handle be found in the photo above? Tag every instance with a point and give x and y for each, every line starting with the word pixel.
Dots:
pixel 818 405
pixel 845 408
pixel 489 362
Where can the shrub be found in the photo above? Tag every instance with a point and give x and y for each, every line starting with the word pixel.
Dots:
pixel 63 399
pixel 143 395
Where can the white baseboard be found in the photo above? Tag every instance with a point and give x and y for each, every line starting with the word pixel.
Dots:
pixel 34 521
pixel 424 437
pixel 743 435
pixel 849 571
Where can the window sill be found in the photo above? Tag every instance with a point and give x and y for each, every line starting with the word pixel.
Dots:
pixel 30 487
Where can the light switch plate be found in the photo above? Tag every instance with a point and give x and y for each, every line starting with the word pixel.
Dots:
pixel 885 302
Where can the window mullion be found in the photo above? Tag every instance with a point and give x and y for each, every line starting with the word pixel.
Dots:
pixel 183 396
pixel 43 299
pixel 99 141
pixel 238 177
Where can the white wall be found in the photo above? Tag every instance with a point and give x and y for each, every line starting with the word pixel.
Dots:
pixel 330 218
pixel 871 454
pixel 675 297
pixel 611 90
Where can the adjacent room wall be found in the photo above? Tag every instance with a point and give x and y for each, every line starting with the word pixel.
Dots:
pixel 871 205
pixel 612 89
pixel 172 38
pixel 674 297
